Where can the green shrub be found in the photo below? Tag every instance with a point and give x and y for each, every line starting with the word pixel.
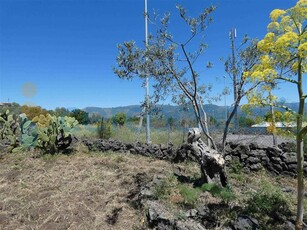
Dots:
pixel 190 195
pixel 226 194
pixel 236 167
pixel 104 129
pixel 268 200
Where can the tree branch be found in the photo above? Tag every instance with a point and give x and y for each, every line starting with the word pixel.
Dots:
pixel 191 68
pixel 287 79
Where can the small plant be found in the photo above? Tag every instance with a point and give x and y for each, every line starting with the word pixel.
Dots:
pixel 236 171
pixel 236 167
pixel 174 192
pixel 104 129
pixel 268 200
pixel 164 189
pixel 190 195
pixel 226 194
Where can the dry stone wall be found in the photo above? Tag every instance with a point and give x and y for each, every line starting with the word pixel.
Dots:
pixel 252 157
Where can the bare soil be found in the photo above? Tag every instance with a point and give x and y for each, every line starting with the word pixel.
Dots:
pixel 81 191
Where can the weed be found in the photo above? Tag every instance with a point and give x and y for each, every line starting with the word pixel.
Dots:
pixel 174 192
pixel 164 189
pixel 226 194
pixel 236 167
pixel 104 129
pixel 190 195
pixel 268 200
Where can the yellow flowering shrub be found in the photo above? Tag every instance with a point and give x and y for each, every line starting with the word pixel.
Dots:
pixel 302 50
pixel 273 26
pixel 275 14
pixel 284 50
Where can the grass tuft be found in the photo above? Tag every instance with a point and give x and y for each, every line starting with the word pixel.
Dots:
pixel 226 194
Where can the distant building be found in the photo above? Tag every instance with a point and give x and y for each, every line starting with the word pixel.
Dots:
pixel 5 104
pixel 266 124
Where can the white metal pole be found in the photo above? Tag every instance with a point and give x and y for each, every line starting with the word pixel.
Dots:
pixel 147 80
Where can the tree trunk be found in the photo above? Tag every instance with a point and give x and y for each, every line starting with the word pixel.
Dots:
pixel 274 126
pixel 212 164
pixel 203 124
pixel 300 185
pixel 300 152
pixel 233 112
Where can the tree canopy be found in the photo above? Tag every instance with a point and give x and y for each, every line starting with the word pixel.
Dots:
pixel 170 63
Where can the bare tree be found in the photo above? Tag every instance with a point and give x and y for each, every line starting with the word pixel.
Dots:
pixel 247 56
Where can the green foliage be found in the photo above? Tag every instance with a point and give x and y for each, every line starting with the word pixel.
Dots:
pixel 268 200
pixel 246 121
pixel 14 108
pixel 61 112
pixel 226 194
pixel 236 167
pixel 190 195
pixel 120 119
pixel 171 122
pixel 54 133
pixel 29 133
pixel 87 131
pixel 9 129
pixel 134 120
pixel 164 189
pixel 95 118
pixel 236 171
pixel 81 116
pixel 49 133
pixel 104 129
pixel 162 60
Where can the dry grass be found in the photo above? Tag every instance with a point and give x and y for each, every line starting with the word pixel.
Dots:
pixel 81 191
pixel 90 190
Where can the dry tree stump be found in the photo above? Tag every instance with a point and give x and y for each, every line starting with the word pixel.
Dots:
pixel 212 164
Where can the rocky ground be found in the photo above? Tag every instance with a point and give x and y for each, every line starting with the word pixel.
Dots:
pixel 127 191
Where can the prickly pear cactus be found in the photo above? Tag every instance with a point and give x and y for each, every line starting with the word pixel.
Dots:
pixel 9 129
pixel 54 133
pixel 29 133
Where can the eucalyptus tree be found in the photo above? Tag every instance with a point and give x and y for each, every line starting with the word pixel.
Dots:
pixel 171 62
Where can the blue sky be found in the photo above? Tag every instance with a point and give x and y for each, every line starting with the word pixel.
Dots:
pixel 67 48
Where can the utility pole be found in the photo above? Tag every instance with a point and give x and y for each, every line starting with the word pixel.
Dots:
pixel 147 80
pixel 232 36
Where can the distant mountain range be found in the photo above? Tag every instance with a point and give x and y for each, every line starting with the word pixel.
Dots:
pixel 218 112
pixel 164 110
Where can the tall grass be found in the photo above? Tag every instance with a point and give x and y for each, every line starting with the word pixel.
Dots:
pixel 85 131
pixel 129 134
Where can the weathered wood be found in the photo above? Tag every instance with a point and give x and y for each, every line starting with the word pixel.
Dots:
pixel 212 164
